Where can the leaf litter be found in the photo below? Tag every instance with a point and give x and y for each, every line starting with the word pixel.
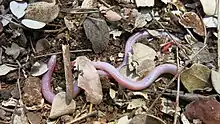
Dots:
pixel 29 35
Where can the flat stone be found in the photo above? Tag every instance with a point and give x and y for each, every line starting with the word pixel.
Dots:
pixel 59 106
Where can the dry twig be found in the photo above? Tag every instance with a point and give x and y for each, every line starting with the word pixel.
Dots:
pixel 72 51
pixel 68 73
pixel 83 117
pixel 178 88
pixel 218 35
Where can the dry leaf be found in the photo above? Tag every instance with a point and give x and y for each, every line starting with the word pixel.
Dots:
pixel 166 1
pixel 116 33
pixel 146 119
pixel 59 106
pixel 144 3
pixel 142 59
pixel 88 3
pixel 136 103
pixel 215 77
pixel 97 32
pixel 33 24
pixel 141 94
pixel 42 44
pixel 204 56
pixel 112 93
pixel 179 5
pixel 6 21
pixel 14 50
pixel 3 114
pixel 210 7
pixel 11 102
pixel 109 14
pixel 18 8
pixel 125 1
pixel 42 11
pixel 184 119
pixel 34 117
pixel 38 69
pixel 142 52
pixel 141 20
pixel 5 69
pixel 20 118
pixel 89 80
pixel 69 23
pixel 210 22
pixel 112 16
pixel 123 120
pixel 206 110
pixel 168 107
pixel 192 20
pixel 196 77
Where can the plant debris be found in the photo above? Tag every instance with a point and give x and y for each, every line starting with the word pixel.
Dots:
pixel 196 77
pixel 110 45
pixel 98 33
pixel 59 106
pixel 88 79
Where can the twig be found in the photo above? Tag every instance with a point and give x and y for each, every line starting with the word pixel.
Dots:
pixel 73 51
pixel 174 78
pixel 15 23
pixel 1 55
pixel 68 73
pixel 18 81
pixel 32 46
pixel 56 30
pixel 83 117
pixel 218 35
pixel 90 107
pixel 178 88
pixel 81 9
pixel 74 12
pixel 103 2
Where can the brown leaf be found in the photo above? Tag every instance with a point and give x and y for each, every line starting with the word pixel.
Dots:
pixel 89 80
pixel 207 111
pixel 196 77
pixel 42 11
pixel 42 44
pixel 97 32
pixel 34 117
pixel 192 20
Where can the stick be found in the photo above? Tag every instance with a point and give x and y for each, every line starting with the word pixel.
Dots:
pixel 83 117
pixel 68 74
pixel 178 89
pixel 218 4
pixel 72 51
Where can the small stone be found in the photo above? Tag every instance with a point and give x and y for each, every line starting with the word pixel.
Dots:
pixel 120 55
pixel 59 106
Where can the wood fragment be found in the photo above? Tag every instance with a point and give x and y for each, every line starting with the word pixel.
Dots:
pixel 72 51
pixel 83 117
pixel 68 73
pixel 218 29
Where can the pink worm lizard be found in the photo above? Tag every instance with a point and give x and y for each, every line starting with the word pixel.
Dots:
pixel 106 69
